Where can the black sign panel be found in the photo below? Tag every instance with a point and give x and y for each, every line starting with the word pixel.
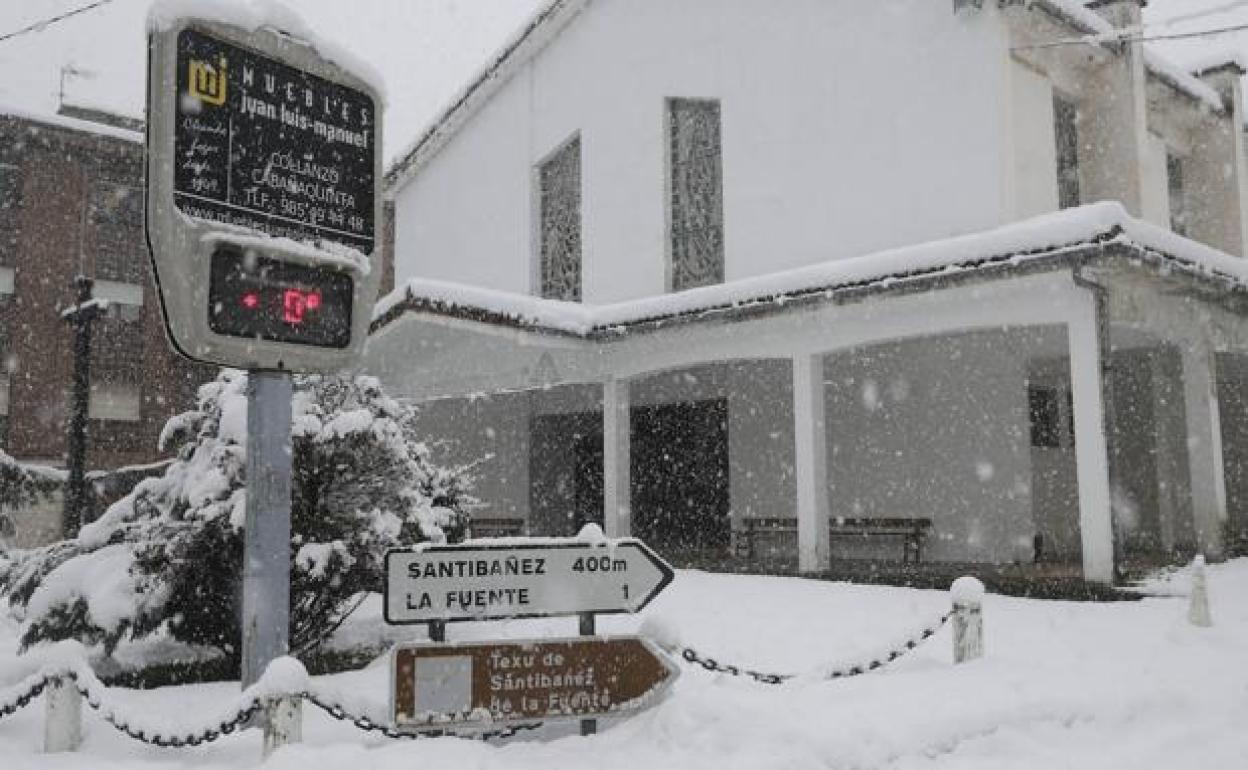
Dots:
pixel 266 299
pixel 268 147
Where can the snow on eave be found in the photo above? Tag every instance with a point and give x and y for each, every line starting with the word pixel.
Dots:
pixel 72 124
pixel 1100 31
pixel 1059 235
pixel 1074 13
pixel 542 28
pixel 1183 81
pixel 1217 61
pixel 253 15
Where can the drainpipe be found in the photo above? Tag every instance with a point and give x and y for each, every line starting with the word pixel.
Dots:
pixel 1100 298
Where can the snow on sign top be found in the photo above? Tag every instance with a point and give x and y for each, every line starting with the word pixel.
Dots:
pixel 252 15
pixel 1019 242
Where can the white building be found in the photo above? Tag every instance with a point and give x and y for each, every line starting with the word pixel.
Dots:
pixel 734 272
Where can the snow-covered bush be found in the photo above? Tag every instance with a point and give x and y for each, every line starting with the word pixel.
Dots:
pixel 168 556
pixel 22 484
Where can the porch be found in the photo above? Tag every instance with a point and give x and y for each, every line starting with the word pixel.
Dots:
pixel 1055 416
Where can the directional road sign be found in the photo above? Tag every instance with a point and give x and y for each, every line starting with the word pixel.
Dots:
pixel 263 196
pixel 488 582
pixel 490 684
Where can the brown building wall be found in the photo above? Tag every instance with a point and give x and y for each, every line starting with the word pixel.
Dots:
pixel 69 220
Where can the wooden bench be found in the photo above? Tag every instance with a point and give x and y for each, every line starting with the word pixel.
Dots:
pixel 911 532
pixel 496 527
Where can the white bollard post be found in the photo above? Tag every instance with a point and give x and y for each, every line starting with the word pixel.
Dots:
pixel 283 723
pixel 62 725
pixel 1198 611
pixel 967 594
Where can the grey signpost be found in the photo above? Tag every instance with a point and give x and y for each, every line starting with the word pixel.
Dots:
pixel 262 203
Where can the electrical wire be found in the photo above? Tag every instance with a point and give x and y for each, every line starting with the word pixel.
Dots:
pixel 1127 38
pixel 40 26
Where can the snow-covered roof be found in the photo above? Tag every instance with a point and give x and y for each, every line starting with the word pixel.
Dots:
pixel 1099 29
pixel 532 38
pixel 72 124
pixel 1063 234
pixel 553 17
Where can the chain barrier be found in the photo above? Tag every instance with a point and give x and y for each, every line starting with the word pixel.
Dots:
pixel 241 718
pixel 15 703
pixel 366 723
pixel 36 685
pixel 86 685
pixel 691 655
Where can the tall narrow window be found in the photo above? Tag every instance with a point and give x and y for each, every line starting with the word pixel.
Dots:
pixel 9 203
pixel 695 165
pixel 1178 199
pixel 559 190
pixel 1066 131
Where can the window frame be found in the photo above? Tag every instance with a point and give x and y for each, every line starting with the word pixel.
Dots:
pixel 94 414
pixel 669 205
pixel 537 275
pixel 1061 103
pixel 1179 215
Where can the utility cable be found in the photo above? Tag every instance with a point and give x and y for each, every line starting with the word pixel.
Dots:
pixel 40 26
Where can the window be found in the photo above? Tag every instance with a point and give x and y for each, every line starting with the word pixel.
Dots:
pixel 696 216
pixel 1044 404
pixel 116 216
pixel 8 277
pixel 1052 415
pixel 10 200
pixel 559 193
pixel 115 401
pixel 1178 200
pixel 1066 132
pixel 125 299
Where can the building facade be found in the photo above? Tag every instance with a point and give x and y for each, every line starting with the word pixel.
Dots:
pixel 812 280
pixel 71 203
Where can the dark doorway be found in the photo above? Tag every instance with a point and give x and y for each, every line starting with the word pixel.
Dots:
pixel 680 489
pixel 565 472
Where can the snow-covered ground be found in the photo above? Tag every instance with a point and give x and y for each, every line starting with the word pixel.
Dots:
pixel 1125 685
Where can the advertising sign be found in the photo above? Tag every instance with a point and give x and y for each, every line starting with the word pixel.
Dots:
pixel 262 198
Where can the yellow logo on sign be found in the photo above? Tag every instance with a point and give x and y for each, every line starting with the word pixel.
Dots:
pixel 208 83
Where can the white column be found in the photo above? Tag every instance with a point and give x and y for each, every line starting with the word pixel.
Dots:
pixel 1204 448
pixel 810 463
pixel 1096 526
pixel 617 504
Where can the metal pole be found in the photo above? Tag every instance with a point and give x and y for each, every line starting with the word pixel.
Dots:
pixel 266 550
pixel 588 726
pixel 437 631
pixel 76 444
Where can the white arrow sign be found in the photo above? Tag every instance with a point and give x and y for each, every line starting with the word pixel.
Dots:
pixel 487 582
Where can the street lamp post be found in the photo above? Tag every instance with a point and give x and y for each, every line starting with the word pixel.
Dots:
pixel 80 318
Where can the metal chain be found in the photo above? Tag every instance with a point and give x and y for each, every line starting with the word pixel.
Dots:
pixel 23 699
pixel 710 664
pixel 365 723
pixel 241 718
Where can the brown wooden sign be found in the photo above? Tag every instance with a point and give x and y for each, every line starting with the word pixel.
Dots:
pixel 484 685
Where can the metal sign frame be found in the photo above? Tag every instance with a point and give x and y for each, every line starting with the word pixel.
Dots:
pixel 181 246
pixel 656 694
pixel 665 570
